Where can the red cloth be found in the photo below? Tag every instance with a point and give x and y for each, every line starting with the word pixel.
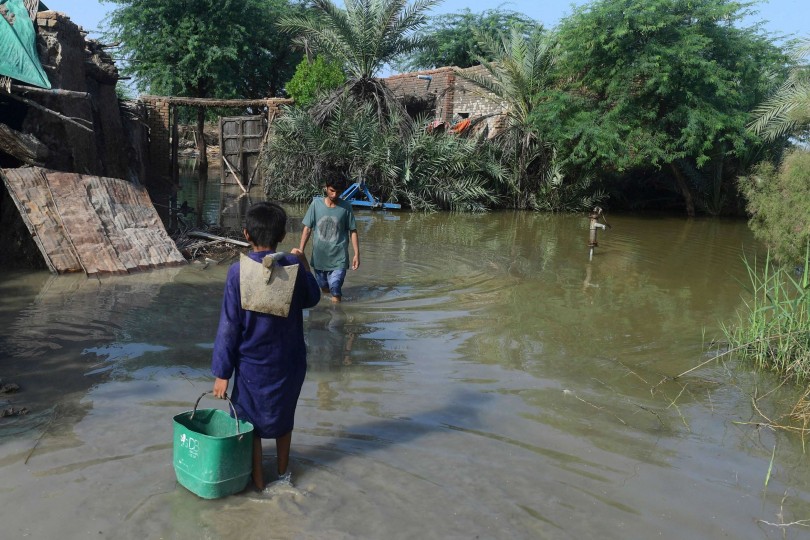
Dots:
pixel 461 127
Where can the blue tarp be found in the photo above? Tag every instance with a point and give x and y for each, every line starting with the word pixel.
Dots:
pixel 18 47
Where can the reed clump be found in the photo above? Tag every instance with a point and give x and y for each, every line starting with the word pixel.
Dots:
pixel 773 330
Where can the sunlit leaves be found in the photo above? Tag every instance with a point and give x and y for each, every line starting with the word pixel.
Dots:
pixel 204 48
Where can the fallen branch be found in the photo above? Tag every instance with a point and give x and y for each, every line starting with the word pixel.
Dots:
pixel 50 92
pixel 22 146
pixel 209 236
pixel 44 109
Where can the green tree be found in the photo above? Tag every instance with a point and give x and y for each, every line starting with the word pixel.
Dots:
pixel 787 111
pixel 779 205
pixel 453 42
pixel 517 80
pixel 661 89
pixel 312 79
pixel 204 48
pixel 363 38
pixel 406 164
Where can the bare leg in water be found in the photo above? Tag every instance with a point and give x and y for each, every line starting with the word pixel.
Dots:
pixel 282 448
pixel 258 471
pixel 283 451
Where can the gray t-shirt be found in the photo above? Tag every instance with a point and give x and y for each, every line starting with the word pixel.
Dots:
pixel 330 233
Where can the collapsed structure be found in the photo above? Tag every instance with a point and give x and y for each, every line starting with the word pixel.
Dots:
pixel 78 125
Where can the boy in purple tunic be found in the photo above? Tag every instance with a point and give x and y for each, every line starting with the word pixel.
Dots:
pixel 264 353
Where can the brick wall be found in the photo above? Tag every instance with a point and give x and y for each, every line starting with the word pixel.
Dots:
pixel 158 123
pixel 454 97
pixel 438 88
pixel 474 101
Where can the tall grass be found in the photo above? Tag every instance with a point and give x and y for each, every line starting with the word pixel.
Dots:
pixel 773 330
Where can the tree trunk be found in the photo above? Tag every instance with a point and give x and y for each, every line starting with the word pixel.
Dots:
pixel 684 188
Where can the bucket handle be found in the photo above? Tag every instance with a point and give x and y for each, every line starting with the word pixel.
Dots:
pixel 236 416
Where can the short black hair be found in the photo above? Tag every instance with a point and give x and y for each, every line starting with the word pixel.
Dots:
pixel 335 180
pixel 266 224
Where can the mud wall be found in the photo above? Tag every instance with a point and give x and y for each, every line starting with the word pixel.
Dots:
pixel 75 63
pixel 111 146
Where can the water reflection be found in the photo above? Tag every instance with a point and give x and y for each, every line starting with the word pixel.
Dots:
pixel 482 378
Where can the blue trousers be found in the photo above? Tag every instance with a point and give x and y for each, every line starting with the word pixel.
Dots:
pixel 332 280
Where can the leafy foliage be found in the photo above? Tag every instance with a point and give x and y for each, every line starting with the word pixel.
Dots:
pixel 424 171
pixel 453 42
pixel 363 38
pixel 205 48
pixel 660 86
pixel 312 79
pixel 779 204
pixel 787 111
pixel 518 79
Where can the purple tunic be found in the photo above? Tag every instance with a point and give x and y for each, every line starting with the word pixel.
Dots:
pixel 265 354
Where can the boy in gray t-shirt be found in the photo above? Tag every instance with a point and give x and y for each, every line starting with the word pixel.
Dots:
pixel 330 223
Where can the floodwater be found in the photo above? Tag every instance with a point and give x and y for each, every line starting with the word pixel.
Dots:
pixel 482 379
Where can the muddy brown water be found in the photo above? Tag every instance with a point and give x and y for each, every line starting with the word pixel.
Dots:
pixel 481 380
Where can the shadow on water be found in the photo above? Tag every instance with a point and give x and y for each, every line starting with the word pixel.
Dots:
pixel 337 443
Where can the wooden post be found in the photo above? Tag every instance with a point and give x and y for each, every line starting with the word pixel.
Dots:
pixel 240 160
pixel 235 175
pixel 175 173
pixel 221 154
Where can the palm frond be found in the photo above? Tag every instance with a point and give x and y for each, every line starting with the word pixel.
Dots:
pixel 787 111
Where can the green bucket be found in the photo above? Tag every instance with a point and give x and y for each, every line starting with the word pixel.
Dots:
pixel 213 453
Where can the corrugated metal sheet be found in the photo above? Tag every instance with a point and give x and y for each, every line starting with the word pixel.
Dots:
pixel 90 224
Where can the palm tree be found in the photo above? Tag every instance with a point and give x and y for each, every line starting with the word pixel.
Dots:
pixel 521 71
pixel 364 37
pixel 425 171
pixel 787 111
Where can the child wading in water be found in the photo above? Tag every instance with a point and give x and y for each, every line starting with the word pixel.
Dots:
pixel 264 353
pixel 330 222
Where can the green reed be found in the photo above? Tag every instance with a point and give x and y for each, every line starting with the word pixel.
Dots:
pixel 773 329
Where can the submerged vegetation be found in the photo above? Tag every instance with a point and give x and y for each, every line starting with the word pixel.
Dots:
pixel 773 329
pixel 402 164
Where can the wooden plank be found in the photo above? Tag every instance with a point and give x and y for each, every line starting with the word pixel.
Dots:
pixel 28 188
pixel 99 225
pixel 209 236
pixel 213 102
pixel 221 152
pixel 83 224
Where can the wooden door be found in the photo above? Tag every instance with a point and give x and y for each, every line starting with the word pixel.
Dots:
pixel 240 140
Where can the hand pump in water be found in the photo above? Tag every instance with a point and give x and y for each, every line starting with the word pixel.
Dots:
pixel 595 225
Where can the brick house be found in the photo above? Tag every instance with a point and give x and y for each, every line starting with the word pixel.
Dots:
pixel 449 98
